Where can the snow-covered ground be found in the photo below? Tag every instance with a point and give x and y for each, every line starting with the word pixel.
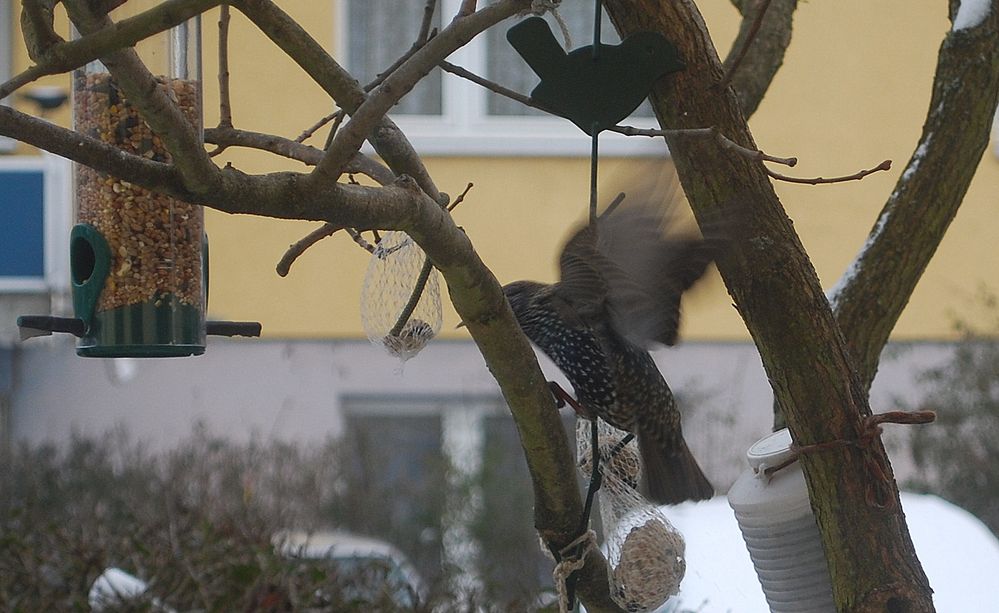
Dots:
pixel 959 554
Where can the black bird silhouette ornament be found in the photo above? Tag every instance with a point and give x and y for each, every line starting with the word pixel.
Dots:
pixel 596 86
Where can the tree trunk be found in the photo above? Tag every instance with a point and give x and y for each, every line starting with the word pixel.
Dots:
pixel 871 559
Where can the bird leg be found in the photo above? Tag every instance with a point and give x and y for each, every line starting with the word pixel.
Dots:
pixel 563 397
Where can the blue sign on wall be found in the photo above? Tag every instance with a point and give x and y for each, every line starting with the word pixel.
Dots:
pixel 22 224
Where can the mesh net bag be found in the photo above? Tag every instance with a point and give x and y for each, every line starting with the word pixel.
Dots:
pixel 391 288
pixel 644 551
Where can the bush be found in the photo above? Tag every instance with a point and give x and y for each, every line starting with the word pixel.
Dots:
pixel 197 524
pixel 958 456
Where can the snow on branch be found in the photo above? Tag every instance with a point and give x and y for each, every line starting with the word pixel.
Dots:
pixel 971 14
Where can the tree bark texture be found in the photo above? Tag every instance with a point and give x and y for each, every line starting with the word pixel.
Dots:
pixel 767 272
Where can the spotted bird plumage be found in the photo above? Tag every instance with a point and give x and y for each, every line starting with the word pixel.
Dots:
pixel 618 294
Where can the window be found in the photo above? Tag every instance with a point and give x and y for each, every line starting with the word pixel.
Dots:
pixel 34 223
pixel 447 115
pixel 445 479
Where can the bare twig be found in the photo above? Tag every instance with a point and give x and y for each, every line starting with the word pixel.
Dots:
pixel 616 202
pixel 467 8
pixel 380 78
pixel 225 137
pixel 709 132
pixel 425 34
pixel 414 297
pixel 354 234
pixel 308 132
pixel 885 165
pixel 298 248
pixel 388 141
pixel 361 164
pixel 370 112
pixel 460 198
pixel 428 20
pixel 754 30
pixel 225 106
pixel 492 86
pixel 307 154
pixel 729 144
pixel 337 121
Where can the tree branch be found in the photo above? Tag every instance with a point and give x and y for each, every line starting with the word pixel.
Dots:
pixel 388 141
pixel 927 195
pixel 65 56
pixel 37 27
pixel 739 53
pixel 233 137
pixel 162 113
pixel 301 246
pixel 857 176
pixel 90 152
pixel 225 105
pixel 461 30
pixel 723 141
pixel 294 150
pixel 474 291
pixel 336 117
pixel 758 50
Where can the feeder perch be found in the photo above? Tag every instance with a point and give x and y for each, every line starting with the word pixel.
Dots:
pixel 138 259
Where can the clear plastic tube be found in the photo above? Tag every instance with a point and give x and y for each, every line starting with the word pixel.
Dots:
pixel 138 257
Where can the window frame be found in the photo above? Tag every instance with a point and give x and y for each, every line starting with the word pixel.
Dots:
pixel 7 144
pixel 466 129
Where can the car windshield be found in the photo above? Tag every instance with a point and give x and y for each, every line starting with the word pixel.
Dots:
pixel 369 580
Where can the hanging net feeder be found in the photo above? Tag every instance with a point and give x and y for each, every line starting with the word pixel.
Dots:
pixel 400 297
pixel 644 551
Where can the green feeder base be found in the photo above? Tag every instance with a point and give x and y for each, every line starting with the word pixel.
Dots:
pixel 156 329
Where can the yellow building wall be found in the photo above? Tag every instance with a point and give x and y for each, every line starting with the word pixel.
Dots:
pixel 853 91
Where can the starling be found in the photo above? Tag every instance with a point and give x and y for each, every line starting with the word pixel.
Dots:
pixel 618 294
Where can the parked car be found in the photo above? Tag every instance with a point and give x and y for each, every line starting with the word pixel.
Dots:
pixel 361 570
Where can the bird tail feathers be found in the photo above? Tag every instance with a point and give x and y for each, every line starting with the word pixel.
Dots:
pixel 671 475
pixel 534 41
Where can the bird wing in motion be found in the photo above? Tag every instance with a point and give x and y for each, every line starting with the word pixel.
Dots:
pixel 629 271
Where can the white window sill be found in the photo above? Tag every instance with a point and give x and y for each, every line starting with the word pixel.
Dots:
pixel 23 285
pixel 519 137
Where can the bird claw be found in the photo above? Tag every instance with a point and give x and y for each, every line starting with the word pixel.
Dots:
pixel 563 398
pixel 557 392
